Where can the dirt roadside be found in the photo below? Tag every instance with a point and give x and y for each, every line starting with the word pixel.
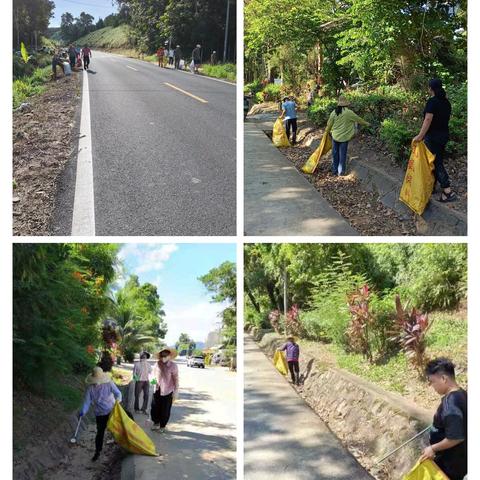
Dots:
pixel 43 141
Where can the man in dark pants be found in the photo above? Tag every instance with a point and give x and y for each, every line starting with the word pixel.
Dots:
pixel 72 55
pixel 289 113
pixel 141 374
pixel 103 393
pixel 448 436
pixel 293 353
pixel 177 53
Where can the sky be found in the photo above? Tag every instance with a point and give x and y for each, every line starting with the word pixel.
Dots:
pixel 174 269
pixel 97 8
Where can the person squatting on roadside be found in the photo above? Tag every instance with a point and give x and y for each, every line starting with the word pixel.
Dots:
pixel 292 350
pixel 141 374
pixel 341 124
pixel 289 113
pixel 102 393
pixel 448 435
pixel 166 389
pixel 435 134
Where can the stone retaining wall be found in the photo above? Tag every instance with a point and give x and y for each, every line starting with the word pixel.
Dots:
pixel 369 421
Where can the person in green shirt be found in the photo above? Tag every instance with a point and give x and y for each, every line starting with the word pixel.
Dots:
pixel 341 125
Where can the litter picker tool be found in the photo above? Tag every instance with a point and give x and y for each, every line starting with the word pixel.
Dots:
pixel 403 444
pixel 74 438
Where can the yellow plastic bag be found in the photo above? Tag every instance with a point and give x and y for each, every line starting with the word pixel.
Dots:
pixel 427 470
pixel 419 179
pixel 324 147
pixel 128 434
pixel 279 136
pixel 280 362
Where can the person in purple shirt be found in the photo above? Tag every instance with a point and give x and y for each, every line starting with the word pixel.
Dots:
pixel 293 353
pixel 102 393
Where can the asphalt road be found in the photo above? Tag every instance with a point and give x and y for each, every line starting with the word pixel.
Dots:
pixel 163 151
pixel 200 442
pixel 284 438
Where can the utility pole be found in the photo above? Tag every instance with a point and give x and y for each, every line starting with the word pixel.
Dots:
pixel 226 32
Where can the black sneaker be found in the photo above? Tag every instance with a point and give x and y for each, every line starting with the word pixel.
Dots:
pixel 95 457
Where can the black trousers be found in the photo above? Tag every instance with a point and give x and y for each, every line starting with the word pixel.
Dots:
pixel 177 63
pixel 294 371
pixel 141 386
pixel 86 62
pixel 292 124
pixel 438 148
pixel 161 408
pixel 101 426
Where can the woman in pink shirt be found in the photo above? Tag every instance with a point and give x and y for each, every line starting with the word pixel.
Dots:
pixel 166 390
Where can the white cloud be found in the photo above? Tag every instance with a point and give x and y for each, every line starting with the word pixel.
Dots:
pixel 155 258
pixel 197 320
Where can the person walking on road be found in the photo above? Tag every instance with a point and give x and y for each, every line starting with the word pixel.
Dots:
pixel 341 124
pixel 197 58
pixel 289 113
pixel 171 56
pixel 72 55
pixel 177 53
pixel 448 435
pixel 166 391
pixel 293 354
pixel 102 393
pixel 160 56
pixel 435 134
pixel 86 56
pixel 213 58
pixel 141 375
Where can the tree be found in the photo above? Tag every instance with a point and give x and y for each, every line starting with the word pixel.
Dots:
pixel 100 24
pixel 221 282
pixel 185 344
pixel 30 20
pixel 60 293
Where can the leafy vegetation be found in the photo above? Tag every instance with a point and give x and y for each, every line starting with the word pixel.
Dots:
pixel 226 70
pixel 107 38
pixel 327 286
pixel 30 21
pixel 26 87
pixel 380 54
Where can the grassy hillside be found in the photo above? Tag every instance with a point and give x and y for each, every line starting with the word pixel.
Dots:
pixel 108 38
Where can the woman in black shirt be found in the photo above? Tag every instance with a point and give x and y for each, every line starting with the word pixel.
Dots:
pixel 435 134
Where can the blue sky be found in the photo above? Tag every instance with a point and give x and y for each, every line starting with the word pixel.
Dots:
pixel 174 269
pixel 97 8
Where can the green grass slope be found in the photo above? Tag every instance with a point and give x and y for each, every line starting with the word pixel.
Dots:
pixel 107 38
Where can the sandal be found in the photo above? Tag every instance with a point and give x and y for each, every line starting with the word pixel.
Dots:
pixel 449 197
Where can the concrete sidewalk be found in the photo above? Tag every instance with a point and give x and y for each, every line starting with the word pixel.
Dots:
pixel 284 438
pixel 278 200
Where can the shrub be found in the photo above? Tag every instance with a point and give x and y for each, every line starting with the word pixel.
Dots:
pixel 412 328
pixel 272 93
pixel 397 136
pixel 274 319
pixel 293 326
pixel 253 88
pixel 224 70
pixel 458 122
pixel 319 112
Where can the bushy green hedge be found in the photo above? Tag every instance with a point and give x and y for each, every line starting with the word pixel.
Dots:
pixel 22 69
pixel 396 116
pixel 225 70
pixel 253 88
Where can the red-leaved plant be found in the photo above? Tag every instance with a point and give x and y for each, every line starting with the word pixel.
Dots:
pixel 361 320
pixel 274 318
pixel 411 330
pixel 292 322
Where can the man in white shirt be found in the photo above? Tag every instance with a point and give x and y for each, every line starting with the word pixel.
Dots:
pixel 141 374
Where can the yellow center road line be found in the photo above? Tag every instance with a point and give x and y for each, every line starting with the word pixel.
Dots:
pixel 187 93
pixel 128 66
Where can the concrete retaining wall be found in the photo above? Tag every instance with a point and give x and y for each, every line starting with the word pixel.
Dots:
pixel 368 420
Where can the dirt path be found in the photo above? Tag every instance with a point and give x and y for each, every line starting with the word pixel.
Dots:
pixel 42 144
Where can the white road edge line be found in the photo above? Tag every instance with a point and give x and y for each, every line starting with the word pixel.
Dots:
pixel 128 66
pixel 83 221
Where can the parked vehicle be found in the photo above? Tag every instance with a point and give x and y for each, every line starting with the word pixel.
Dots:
pixel 196 361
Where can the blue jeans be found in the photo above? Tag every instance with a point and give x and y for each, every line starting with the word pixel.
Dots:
pixel 339 164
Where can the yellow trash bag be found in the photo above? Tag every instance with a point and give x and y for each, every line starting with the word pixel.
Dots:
pixel 280 362
pixel 279 136
pixel 419 179
pixel 426 470
pixel 324 147
pixel 128 434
